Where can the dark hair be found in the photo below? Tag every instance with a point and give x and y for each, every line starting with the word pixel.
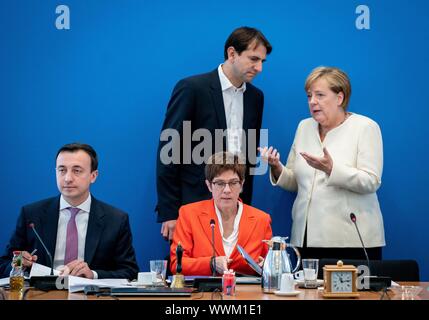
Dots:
pixel 242 37
pixel 223 161
pixel 73 147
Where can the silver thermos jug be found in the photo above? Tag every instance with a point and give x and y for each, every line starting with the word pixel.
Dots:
pixel 276 263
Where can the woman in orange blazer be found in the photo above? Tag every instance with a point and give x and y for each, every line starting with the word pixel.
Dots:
pixel 235 223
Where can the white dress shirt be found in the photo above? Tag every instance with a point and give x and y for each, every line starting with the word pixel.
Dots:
pixel 230 242
pixel 233 103
pixel 82 226
pixel 323 202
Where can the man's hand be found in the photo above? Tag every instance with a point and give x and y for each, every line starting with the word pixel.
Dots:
pixel 77 268
pixel 167 229
pixel 28 259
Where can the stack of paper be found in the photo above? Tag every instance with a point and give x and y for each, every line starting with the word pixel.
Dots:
pixel 77 284
pixel 4 282
pixel 39 270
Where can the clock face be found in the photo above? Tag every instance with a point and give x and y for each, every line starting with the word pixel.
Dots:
pixel 341 281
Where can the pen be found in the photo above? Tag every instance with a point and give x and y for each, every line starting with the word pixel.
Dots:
pixel 33 252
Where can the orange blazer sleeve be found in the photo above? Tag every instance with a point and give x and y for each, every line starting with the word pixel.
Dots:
pixel 187 234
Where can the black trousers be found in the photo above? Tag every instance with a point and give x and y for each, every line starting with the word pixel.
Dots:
pixel 339 253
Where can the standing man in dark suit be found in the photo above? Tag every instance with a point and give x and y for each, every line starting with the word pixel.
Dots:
pixel 87 237
pixel 222 99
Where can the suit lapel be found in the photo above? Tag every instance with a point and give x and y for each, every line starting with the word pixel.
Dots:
pixel 249 109
pixel 217 97
pixel 204 217
pixel 94 230
pixel 48 226
pixel 245 230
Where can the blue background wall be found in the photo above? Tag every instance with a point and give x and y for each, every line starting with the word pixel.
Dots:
pixel 107 81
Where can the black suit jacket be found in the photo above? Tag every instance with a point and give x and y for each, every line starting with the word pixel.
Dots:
pixel 199 99
pixel 108 244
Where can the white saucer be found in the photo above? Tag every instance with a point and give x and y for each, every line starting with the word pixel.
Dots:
pixel 286 294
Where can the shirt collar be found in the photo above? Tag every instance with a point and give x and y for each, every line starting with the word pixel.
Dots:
pixel 237 217
pixel 84 206
pixel 226 84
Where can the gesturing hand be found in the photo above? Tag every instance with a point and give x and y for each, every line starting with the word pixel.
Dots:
pixel 324 163
pixel 272 157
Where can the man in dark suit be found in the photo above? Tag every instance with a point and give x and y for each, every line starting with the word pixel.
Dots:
pixel 87 238
pixel 200 106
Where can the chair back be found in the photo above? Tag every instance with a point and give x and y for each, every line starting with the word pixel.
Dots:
pixel 398 270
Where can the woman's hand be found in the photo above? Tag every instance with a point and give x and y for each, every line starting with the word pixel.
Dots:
pixel 222 264
pixel 260 261
pixel 272 156
pixel 324 163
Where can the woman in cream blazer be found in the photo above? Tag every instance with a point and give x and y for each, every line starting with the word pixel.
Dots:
pixel 335 165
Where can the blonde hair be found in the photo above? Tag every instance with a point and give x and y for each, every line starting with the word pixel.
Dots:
pixel 337 79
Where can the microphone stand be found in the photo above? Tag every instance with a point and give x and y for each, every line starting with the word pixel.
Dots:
pixel 353 218
pixel 213 262
pixel 376 283
pixel 46 283
pixel 44 247
pixel 213 283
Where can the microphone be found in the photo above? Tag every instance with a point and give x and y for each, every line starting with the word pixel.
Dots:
pixel 375 282
pixel 31 225
pixel 45 283
pixel 353 218
pixel 213 283
pixel 213 262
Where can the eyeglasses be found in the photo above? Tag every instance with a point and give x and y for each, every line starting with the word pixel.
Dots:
pixel 233 185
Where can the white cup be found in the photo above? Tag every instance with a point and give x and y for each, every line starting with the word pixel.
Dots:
pixel 299 275
pixel 146 278
pixel 287 283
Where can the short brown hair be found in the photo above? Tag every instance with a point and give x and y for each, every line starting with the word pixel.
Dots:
pixel 242 37
pixel 337 79
pixel 223 161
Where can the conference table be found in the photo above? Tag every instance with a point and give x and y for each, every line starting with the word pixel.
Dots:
pixel 243 292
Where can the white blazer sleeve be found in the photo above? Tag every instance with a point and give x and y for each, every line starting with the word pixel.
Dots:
pixel 366 176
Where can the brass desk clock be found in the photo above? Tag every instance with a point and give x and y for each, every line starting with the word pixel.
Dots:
pixel 340 281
